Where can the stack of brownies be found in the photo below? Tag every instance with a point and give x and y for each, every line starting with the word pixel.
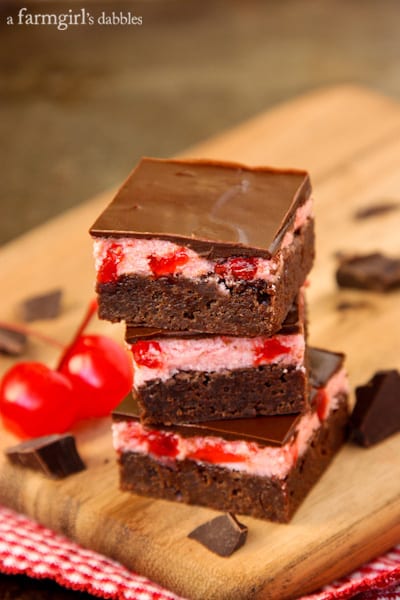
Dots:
pixel 205 262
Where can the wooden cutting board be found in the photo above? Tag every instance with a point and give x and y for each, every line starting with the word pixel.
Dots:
pixel 349 139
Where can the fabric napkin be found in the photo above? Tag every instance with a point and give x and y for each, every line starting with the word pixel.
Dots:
pixel 31 549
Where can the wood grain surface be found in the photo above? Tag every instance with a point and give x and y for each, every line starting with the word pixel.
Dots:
pixel 349 140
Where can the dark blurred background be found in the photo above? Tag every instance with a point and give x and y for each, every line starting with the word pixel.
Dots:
pixel 79 107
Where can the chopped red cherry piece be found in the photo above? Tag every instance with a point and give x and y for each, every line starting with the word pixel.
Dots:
pixel 109 267
pixel 100 371
pixel 147 354
pixel 239 268
pixel 268 350
pixel 36 401
pixel 162 443
pixel 215 453
pixel 166 265
pixel 322 402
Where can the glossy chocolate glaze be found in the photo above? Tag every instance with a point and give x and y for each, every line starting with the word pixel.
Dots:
pixel 293 324
pixel 218 209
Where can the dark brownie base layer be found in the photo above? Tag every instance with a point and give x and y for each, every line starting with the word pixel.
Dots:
pixel 178 304
pixel 196 396
pixel 220 488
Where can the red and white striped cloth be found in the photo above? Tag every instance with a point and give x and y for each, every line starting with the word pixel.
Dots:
pixel 31 549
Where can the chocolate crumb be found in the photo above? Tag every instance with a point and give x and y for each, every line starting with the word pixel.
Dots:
pixel 376 209
pixel 43 306
pixel 374 271
pixel 54 455
pixel 376 414
pixel 12 342
pixel 222 535
pixel 352 305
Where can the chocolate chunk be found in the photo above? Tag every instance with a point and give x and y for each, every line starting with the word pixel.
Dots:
pixel 376 414
pixel 222 535
pixel 369 272
pixel 352 305
pixel 374 210
pixel 54 455
pixel 223 205
pixel 12 342
pixel 45 306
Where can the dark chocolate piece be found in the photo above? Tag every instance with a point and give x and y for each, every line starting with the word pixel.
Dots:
pixel 323 364
pixel 269 431
pixel 369 272
pixel 12 342
pixel 377 209
pixel 54 455
pixel 352 305
pixel 224 489
pixel 376 414
pixel 44 306
pixel 222 535
pixel 223 206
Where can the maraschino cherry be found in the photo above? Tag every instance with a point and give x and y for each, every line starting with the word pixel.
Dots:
pixel 166 265
pixel 238 267
pixel 99 369
pixel 93 375
pixel 35 401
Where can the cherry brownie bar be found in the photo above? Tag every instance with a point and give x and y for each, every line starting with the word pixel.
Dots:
pixel 201 245
pixel 192 378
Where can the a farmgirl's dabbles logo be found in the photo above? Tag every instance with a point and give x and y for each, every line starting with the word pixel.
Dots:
pixel 72 18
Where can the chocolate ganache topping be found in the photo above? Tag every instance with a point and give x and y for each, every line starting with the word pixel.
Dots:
pixel 218 209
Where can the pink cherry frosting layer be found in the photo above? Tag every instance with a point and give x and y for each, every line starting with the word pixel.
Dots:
pixel 154 257
pixel 162 358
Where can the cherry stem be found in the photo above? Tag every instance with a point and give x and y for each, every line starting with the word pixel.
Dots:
pixel 31 332
pixel 91 310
